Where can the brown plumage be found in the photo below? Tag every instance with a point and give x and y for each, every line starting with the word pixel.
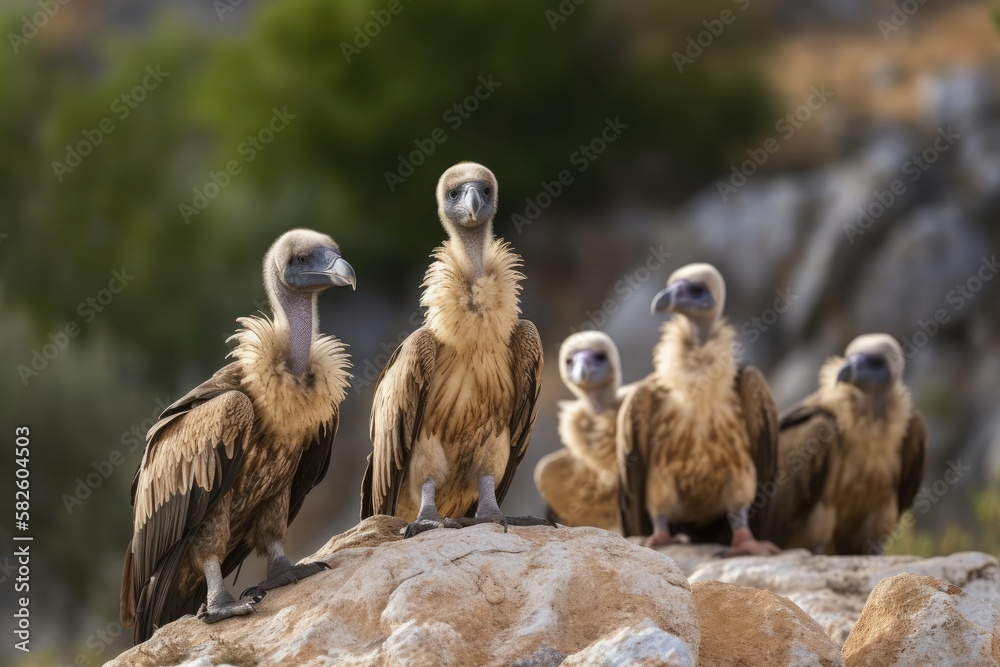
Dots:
pixel 580 482
pixel 851 454
pixel 696 435
pixel 455 405
pixel 227 467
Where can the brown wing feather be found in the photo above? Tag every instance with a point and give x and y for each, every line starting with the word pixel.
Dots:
pixel 191 460
pixel 397 415
pixel 761 417
pixel 913 456
pixel 526 366
pixel 633 451
pixel 808 437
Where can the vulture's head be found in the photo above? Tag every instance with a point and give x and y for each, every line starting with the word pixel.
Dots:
pixel 306 261
pixel 588 361
pixel 696 291
pixel 466 196
pixel 872 362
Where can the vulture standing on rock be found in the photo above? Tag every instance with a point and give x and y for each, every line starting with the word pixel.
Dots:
pixel 851 454
pixel 455 404
pixel 580 482
pixel 227 467
pixel 695 436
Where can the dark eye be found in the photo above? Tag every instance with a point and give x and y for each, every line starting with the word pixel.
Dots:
pixel 600 356
pixel 302 259
pixel 487 191
pixel 697 290
pixel 453 194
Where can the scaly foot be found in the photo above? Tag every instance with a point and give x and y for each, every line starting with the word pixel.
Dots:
pixel 289 575
pixel 223 606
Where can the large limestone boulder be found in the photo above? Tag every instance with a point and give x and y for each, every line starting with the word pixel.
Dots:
pixel 920 620
pixel 743 627
pixel 477 596
pixel 833 589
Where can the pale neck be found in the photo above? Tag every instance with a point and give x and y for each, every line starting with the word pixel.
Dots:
pixel 297 311
pixel 600 398
pixel 471 246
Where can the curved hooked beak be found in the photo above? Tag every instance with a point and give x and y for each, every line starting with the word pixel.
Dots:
pixel 862 369
pixel 684 296
pixel 337 270
pixel 579 370
pixel 473 199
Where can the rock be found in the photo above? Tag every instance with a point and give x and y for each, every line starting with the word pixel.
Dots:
pixel 833 589
pixel 643 645
pixel 747 626
pixel 919 620
pixel 475 596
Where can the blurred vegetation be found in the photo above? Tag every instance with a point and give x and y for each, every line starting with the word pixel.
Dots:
pixel 119 209
pixel 961 536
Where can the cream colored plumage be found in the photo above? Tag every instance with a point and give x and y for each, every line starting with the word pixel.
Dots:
pixel 227 467
pixel 696 435
pixel 455 405
pixel 580 482
pixel 851 454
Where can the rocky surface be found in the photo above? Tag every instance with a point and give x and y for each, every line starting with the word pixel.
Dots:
pixel 477 596
pixel 833 590
pixel 919 620
pixel 540 596
pixel 746 626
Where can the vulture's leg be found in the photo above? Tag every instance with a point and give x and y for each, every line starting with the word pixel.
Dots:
pixel 428 517
pixel 221 604
pixel 207 552
pixel 744 543
pixel 271 528
pixel 661 535
pixel 488 511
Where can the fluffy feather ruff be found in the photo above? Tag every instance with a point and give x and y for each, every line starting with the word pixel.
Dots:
pixel 590 437
pixel 694 373
pixel 290 407
pixel 463 310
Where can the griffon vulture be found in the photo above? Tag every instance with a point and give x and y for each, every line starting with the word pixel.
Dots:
pixel 695 436
pixel 851 454
pixel 455 404
pixel 580 482
pixel 227 467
